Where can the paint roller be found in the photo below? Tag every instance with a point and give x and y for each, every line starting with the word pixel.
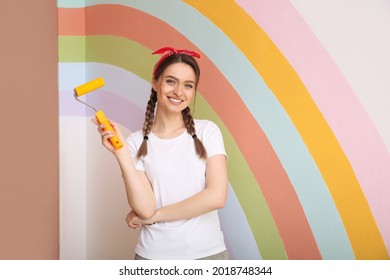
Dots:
pixel 88 87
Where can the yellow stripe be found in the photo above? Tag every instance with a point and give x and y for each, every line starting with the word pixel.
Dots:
pixel 284 82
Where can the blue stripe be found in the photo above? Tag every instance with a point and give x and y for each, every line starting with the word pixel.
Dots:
pixel 70 3
pixel 240 241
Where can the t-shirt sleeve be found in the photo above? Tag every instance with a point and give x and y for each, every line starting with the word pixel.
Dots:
pixel 139 164
pixel 213 140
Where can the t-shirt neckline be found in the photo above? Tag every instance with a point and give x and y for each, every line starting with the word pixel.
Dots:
pixel 168 139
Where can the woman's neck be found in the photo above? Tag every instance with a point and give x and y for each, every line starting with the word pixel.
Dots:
pixel 167 123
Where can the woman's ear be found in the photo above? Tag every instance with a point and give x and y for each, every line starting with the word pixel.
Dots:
pixel 154 84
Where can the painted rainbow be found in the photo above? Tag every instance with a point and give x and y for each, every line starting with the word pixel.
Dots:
pixel 308 171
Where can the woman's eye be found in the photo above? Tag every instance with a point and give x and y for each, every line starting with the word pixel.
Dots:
pixel 170 82
pixel 189 86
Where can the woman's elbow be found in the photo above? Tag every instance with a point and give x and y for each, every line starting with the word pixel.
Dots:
pixel 220 202
pixel 219 198
pixel 146 214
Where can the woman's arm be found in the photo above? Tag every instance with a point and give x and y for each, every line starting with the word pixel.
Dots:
pixel 138 188
pixel 211 198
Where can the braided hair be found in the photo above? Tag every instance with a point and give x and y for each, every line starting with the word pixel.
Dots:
pixel 149 118
pixel 190 126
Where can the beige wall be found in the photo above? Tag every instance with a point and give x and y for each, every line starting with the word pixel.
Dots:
pixel 29 224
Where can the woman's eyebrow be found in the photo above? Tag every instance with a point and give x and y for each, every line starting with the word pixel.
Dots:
pixel 176 79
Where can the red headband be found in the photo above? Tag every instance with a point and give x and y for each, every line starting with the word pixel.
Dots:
pixel 167 51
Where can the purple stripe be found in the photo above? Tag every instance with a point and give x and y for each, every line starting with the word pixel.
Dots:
pixel 114 106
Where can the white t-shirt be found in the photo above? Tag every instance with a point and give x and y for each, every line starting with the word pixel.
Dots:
pixel 176 172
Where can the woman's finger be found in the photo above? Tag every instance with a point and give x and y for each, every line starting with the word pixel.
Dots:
pixel 127 218
pixel 107 134
pixel 133 226
pixel 102 127
pixel 94 120
pixel 115 127
pixel 113 124
pixel 117 131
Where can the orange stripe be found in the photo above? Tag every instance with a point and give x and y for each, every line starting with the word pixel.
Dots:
pixel 71 21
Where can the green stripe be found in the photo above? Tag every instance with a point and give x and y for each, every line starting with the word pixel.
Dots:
pixel 112 50
pixel 71 49
pixel 137 59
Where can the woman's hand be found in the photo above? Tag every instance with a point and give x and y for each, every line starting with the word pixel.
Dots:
pixel 106 134
pixel 134 221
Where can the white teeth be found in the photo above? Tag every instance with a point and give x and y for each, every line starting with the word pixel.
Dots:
pixel 175 100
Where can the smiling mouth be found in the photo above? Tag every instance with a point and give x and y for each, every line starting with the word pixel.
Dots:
pixel 175 101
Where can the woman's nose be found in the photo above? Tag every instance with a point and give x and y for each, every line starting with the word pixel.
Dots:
pixel 178 90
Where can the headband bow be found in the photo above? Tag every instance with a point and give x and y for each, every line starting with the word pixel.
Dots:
pixel 167 51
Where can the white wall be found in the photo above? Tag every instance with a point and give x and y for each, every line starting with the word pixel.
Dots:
pixel 108 236
pixel 73 180
pixel 357 35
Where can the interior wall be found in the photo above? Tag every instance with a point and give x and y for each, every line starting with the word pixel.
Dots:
pixel 29 145
pixel 291 121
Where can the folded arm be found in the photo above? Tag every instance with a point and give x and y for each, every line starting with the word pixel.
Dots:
pixel 213 197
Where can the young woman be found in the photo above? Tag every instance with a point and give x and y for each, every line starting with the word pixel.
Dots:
pixel 174 169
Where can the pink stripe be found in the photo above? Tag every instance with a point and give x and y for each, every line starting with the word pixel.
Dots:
pixel 335 98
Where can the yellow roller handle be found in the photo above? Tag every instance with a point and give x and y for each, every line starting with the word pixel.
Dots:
pixel 90 86
pixel 115 141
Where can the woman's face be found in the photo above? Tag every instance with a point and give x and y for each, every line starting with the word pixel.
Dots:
pixel 175 87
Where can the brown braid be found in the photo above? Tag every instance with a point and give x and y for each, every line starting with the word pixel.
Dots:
pixel 149 119
pixel 190 125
